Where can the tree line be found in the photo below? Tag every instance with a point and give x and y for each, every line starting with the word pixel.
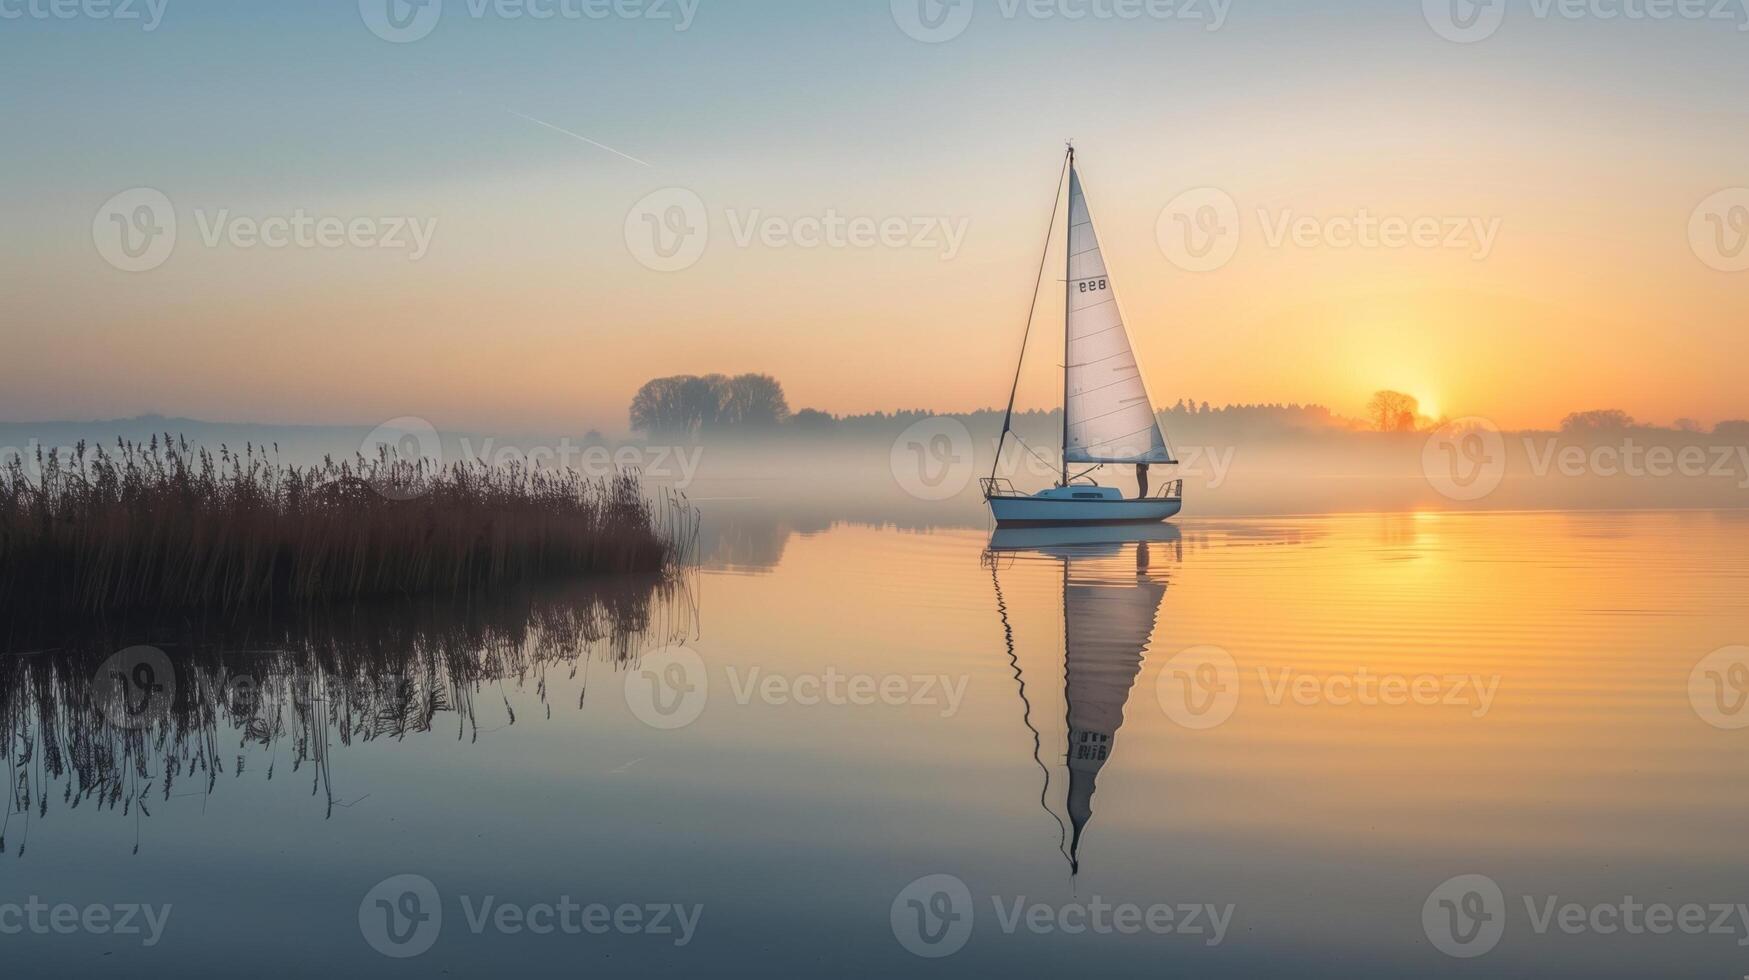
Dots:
pixel 689 405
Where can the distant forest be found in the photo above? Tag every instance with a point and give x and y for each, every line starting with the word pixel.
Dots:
pixel 754 405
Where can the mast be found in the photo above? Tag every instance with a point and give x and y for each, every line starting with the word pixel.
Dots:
pixel 1068 298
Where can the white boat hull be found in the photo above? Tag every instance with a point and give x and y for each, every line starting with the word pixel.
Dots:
pixel 1081 506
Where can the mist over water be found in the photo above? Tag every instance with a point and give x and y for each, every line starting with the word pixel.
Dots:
pixel 1289 728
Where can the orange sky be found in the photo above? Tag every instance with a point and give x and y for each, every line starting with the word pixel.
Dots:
pixel 532 309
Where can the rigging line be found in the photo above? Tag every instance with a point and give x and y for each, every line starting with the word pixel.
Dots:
pixel 1034 452
pixel 1031 313
pixel 1026 712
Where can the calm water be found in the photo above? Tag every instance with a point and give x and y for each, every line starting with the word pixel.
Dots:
pixel 1238 748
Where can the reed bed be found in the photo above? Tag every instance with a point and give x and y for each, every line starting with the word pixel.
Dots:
pixel 162 526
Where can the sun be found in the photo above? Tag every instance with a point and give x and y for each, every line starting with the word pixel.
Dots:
pixel 1429 406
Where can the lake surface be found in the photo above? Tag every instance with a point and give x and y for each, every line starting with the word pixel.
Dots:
pixel 1247 747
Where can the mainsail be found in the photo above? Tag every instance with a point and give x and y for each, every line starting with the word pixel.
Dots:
pixel 1108 416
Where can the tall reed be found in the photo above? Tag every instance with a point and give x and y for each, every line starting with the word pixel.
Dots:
pixel 163 526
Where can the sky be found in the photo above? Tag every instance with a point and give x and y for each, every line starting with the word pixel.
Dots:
pixel 514 220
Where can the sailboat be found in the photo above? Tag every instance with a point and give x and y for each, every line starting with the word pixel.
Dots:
pixel 1110 607
pixel 1108 418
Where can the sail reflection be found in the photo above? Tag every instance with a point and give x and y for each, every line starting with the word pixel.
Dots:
pixel 96 723
pixel 1112 582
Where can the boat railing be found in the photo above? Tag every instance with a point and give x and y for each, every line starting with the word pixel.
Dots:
pixel 998 487
pixel 1172 490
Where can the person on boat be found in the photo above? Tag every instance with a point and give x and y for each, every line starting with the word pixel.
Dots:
pixel 1142 481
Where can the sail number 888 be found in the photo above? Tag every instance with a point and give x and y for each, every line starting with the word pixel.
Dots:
pixel 1094 285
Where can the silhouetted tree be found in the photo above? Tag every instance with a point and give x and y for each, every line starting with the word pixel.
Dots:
pixel 755 400
pixel 1393 411
pixel 813 421
pixel 1602 420
pixel 686 405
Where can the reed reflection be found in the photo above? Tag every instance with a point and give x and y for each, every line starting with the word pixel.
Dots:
pixel 1112 582
pixel 123 717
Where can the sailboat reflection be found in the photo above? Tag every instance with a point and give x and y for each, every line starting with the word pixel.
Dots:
pixel 1112 584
